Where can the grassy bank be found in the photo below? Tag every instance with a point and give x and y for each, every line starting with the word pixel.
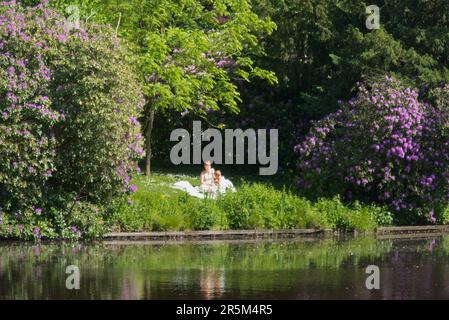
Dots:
pixel 157 207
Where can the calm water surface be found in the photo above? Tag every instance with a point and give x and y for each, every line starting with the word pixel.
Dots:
pixel 305 269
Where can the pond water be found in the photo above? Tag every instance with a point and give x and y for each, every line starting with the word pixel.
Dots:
pixel 303 269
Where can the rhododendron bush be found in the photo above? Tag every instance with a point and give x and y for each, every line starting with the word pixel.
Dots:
pixel 385 145
pixel 69 138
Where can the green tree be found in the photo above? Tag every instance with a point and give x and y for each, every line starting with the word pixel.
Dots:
pixel 321 48
pixel 190 53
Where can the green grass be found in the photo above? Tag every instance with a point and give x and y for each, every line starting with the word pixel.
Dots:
pixel 256 205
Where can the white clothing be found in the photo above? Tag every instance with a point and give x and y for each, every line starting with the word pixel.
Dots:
pixel 225 185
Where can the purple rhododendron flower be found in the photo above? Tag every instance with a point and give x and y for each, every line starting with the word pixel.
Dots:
pixel 385 146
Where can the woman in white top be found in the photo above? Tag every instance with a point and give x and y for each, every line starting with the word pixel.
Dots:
pixel 207 179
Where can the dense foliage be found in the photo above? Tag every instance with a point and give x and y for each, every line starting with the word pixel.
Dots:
pixel 322 48
pixel 191 54
pixel 69 124
pixel 319 51
pixel 68 129
pixel 384 145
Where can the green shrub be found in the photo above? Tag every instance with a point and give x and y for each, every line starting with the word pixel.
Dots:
pixel 445 215
pixel 359 217
pixel 262 206
pixel 203 215
pixel 386 145
pixel 380 215
pixel 68 130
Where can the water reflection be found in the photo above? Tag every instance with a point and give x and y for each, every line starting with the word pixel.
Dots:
pixel 212 283
pixel 306 269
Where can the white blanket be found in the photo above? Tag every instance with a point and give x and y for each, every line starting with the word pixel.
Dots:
pixel 187 187
pixel 225 186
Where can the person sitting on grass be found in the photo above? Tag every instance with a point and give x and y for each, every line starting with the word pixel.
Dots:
pixel 223 184
pixel 207 179
pixel 212 183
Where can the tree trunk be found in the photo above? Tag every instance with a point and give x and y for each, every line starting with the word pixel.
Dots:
pixel 148 132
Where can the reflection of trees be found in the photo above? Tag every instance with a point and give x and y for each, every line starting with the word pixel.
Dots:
pixel 254 256
pixel 179 270
pixel 132 289
pixel 417 269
